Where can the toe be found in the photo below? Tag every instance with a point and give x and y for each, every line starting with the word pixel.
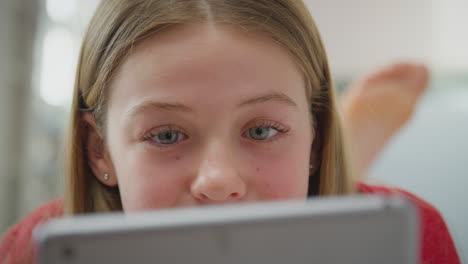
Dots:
pixel 420 77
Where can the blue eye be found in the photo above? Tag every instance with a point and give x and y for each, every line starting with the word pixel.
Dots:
pixel 262 133
pixel 169 137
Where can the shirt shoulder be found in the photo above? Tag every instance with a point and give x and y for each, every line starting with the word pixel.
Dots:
pixel 16 244
pixel 437 245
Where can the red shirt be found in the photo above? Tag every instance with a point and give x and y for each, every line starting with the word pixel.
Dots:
pixel 437 246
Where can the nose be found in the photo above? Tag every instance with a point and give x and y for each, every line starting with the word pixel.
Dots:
pixel 218 181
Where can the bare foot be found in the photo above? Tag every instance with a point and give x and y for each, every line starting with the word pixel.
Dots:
pixel 378 106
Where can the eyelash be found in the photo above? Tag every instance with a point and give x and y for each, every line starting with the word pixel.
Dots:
pixel 159 130
pixel 282 131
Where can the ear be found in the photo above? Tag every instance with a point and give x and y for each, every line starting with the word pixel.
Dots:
pixel 97 156
pixel 315 149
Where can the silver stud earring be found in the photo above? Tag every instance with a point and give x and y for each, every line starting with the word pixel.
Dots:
pixel 106 176
pixel 311 166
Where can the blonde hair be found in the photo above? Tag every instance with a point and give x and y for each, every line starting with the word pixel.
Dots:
pixel 118 25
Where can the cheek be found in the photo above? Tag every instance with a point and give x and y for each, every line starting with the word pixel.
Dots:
pixel 147 181
pixel 280 182
pixel 281 176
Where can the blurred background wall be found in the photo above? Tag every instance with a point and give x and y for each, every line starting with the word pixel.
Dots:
pixel 17 41
pixel 39 43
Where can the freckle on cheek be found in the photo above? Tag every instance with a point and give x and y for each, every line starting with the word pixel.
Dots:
pixel 258 169
pixel 177 157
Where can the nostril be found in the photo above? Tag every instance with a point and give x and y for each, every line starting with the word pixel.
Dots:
pixel 215 197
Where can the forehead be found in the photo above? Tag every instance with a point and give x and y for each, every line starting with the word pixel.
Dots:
pixel 189 61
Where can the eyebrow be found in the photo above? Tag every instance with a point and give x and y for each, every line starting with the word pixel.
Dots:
pixel 149 105
pixel 275 96
pixel 165 106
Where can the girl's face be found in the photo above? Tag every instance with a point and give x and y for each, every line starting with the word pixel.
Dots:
pixel 203 114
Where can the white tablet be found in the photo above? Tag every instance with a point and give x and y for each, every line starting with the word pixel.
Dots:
pixel 358 229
